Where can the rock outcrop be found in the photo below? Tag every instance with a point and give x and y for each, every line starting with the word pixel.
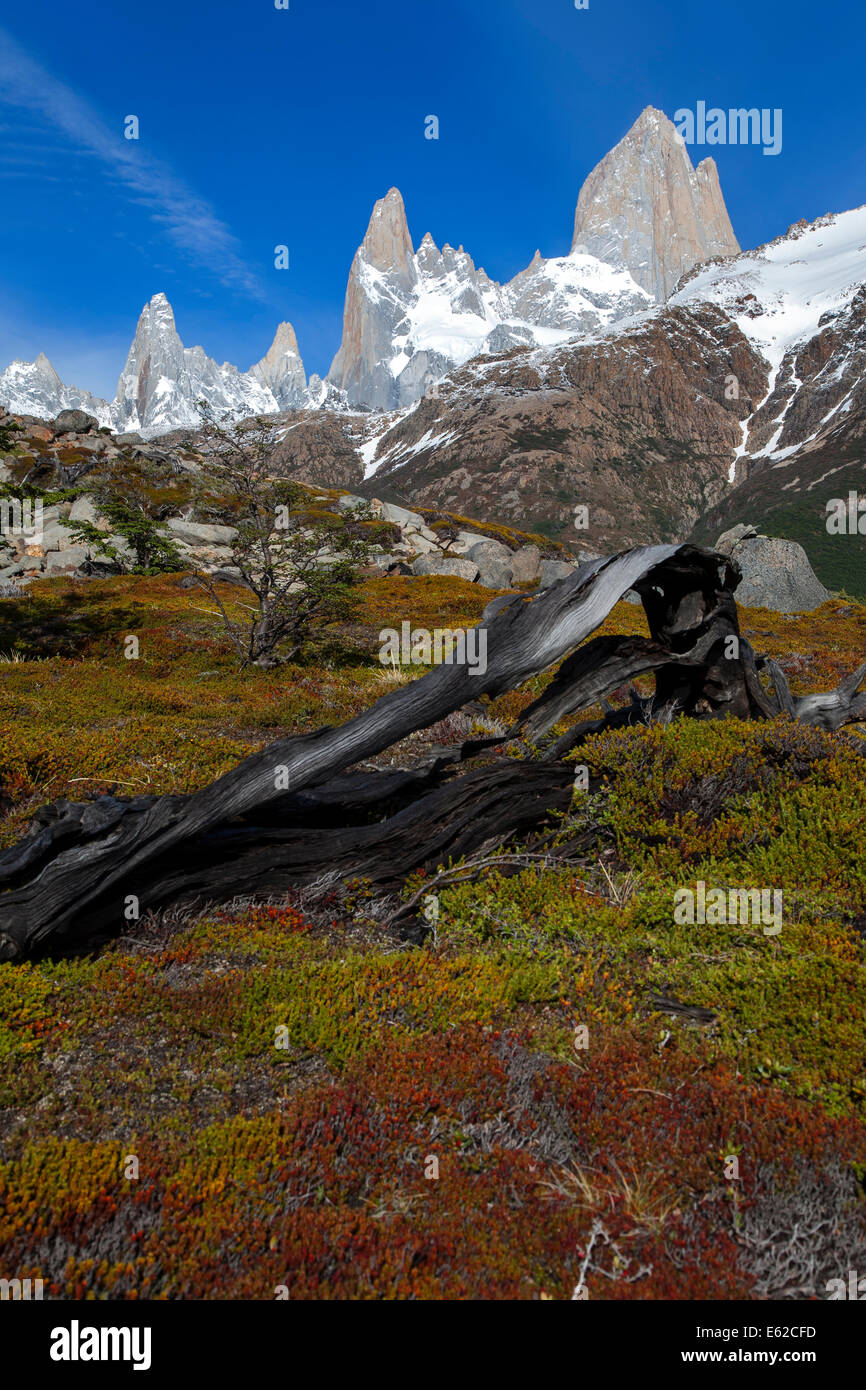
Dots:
pixel 636 427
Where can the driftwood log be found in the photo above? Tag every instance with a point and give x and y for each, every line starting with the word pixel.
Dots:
pixel 293 815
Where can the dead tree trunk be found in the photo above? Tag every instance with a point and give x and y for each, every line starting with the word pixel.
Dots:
pixel 72 874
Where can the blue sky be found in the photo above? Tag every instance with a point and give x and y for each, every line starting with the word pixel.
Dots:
pixel 261 127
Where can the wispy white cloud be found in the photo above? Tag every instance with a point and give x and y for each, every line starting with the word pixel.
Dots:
pixel 187 219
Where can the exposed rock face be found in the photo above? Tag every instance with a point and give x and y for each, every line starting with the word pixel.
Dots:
pixel 636 427
pixel 646 208
pixel 777 574
pixel 801 301
pixel 317 447
pixel 382 272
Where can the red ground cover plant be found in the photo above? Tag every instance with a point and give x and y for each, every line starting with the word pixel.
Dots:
pixel 608 1173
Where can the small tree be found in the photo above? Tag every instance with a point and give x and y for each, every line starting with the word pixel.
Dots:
pixel 121 494
pixel 302 570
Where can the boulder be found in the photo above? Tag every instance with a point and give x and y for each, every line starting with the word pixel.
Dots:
pixel 777 575
pixel 66 561
pixel 18 567
pixel 75 422
pixel 228 574
pixel 53 536
pixel 494 563
pixel 125 552
pixel 401 516
pixel 207 556
pixel 446 564
pixel 496 576
pixel 350 503
pixel 552 571
pixel 419 545
pixel 526 565
pixel 200 533
pixel 466 539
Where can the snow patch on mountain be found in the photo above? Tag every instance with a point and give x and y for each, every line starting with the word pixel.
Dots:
pixel 781 296
pixel 778 294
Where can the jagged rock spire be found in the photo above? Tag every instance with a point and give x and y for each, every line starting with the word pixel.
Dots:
pixel 645 207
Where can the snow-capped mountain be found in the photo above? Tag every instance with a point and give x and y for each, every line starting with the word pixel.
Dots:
pixel 743 393
pixel 162 380
pixel 34 388
pixel 644 207
pixel 644 216
pixel 412 316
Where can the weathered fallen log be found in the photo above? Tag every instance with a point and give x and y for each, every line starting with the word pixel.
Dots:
pixel 827 710
pixel 73 874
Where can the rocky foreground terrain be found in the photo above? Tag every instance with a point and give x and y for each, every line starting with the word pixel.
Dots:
pixel 59 457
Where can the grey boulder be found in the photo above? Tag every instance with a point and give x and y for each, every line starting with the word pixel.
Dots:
pixel 777 575
pixel 446 564
pixel 494 563
pixel 66 561
pixel 525 564
pixel 199 533
pixel 401 517
pixel 75 422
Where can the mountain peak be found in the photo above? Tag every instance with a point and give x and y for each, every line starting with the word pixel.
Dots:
pixel 387 244
pixel 45 367
pixel 646 208
pixel 281 368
